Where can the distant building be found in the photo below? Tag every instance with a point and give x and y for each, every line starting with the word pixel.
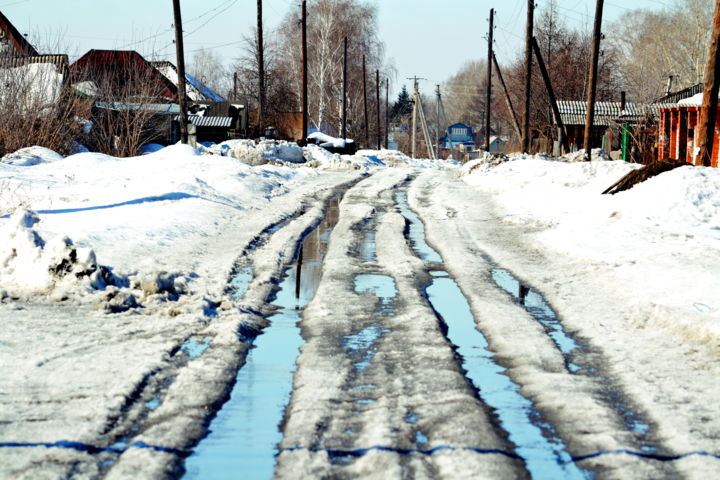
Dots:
pixel 458 137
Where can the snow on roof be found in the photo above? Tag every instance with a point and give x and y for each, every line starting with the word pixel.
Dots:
pixel 694 101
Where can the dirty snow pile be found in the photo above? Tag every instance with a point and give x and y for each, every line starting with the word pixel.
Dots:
pixel 280 152
pixel 660 239
pixel 28 262
pixel 146 217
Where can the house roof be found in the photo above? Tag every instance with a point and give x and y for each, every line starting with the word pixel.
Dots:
pixel 197 91
pixel 681 94
pixel 156 108
pixel 119 66
pixel 12 40
pixel 573 112
pixel 201 121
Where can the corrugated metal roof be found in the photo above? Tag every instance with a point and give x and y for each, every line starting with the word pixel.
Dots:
pixel 573 112
pixel 219 122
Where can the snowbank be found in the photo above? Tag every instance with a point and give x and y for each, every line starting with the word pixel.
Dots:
pixel 259 153
pixel 660 239
pixel 29 263
pixel 26 157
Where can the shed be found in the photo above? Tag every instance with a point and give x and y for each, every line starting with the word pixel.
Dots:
pixel 457 135
pixel 679 128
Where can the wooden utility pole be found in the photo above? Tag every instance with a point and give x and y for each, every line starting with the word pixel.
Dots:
pixel 387 110
pixel 303 22
pixel 344 94
pixel 708 112
pixel 367 131
pixel 416 95
pixel 528 74
pixel 377 104
pixel 182 90
pixel 488 95
pixel 508 101
pixel 261 69
pixel 551 94
pixel 437 119
pixel 592 78
pixel 235 85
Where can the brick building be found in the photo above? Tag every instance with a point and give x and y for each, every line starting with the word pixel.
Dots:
pixel 679 128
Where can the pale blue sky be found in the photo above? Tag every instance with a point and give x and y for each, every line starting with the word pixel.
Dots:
pixel 427 38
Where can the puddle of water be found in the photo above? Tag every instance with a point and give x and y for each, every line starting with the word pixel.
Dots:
pixel 411 417
pixel 192 348
pixel 362 344
pixel 245 434
pixel 152 404
pixel 420 438
pixel 241 282
pixel 417 230
pixel 368 250
pixel 544 457
pixel 369 386
pixel 536 305
pixel 382 286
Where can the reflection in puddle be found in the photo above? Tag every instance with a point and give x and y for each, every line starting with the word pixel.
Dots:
pixel 536 305
pixel 368 250
pixel 544 457
pixel 417 230
pixel 244 435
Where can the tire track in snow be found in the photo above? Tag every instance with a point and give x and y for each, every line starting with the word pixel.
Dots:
pixel 602 430
pixel 378 388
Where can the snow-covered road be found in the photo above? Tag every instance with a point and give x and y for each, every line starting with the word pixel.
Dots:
pixel 481 354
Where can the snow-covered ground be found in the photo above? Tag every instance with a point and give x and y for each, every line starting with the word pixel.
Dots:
pixel 109 266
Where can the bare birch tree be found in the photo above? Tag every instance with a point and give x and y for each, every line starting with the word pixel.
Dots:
pixel 329 21
pixel 657 44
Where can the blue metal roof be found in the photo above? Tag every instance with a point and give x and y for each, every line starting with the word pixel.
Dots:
pixel 204 89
